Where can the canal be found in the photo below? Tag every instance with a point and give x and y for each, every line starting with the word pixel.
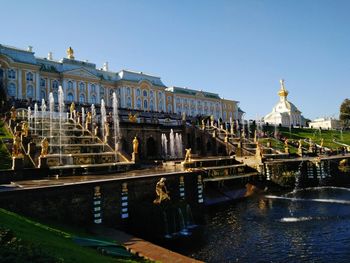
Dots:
pixel 310 225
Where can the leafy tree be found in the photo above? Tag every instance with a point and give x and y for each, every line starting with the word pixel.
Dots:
pixel 345 113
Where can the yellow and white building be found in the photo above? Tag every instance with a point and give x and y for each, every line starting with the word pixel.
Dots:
pixel 27 77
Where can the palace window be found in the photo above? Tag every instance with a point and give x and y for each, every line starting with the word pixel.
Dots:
pixel 42 82
pixel 177 101
pixel 151 105
pixel 81 87
pixel 29 76
pixel 92 88
pixel 42 94
pixel 225 115
pixel 11 74
pixel 151 94
pixel 11 89
pixel 93 99
pixel 55 85
pixel 169 99
pixel 128 102
pixel 160 95
pixel 70 97
pixel 145 105
pixel 82 98
pixel 102 91
pixel 170 108
pixel 30 91
pixel 119 91
pixel 128 91
pixel 70 85
pixel 138 92
pixel 138 104
pixel 160 105
pixel 55 96
pixel 145 93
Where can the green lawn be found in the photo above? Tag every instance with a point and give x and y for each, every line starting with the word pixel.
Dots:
pixel 56 243
pixel 316 136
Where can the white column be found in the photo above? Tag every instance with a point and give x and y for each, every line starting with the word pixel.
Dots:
pixel 19 86
pixel 37 93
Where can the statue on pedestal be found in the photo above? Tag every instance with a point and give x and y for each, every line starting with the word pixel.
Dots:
pixel 96 130
pixel 72 110
pixel 13 113
pixel 286 147
pixel 132 118
pixel 300 148
pixel 187 155
pixel 44 147
pixel 203 124
pixel 135 145
pixel 106 132
pixel 16 147
pixel 88 120
pixel 161 191
pixel 25 129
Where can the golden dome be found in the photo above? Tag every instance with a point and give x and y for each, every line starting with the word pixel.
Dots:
pixel 282 92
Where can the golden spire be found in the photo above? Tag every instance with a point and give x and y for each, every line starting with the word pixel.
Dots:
pixel 282 92
pixel 70 53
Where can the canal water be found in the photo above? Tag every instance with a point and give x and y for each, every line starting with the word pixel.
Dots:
pixel 310 225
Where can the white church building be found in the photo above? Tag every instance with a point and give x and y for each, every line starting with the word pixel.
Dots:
pixel 284 113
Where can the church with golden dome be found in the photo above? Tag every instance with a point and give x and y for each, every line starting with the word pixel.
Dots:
pixel 284 113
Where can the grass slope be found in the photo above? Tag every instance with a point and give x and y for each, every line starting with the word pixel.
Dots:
pixel 55 242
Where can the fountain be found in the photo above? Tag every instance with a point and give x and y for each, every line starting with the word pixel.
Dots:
pixel 172 143
pixel 93 115
pixel 178 145
pixel 43 112
pixel 103 118
pixel 61 109
pixel 29 116
pixel 35 116
pixel 115 123
pixel 298 177
pixel 164 145
pixel 82 117
pixel 52 109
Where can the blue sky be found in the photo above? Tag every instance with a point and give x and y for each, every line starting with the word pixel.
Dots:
pixel 239 49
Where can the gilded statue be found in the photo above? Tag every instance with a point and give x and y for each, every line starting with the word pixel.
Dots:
pixel 96 131
pixel 132 118
pixel 13 113
pixel 321 143
pixel 72 110
pixel 25 129
pixel 286 142
pixel 106 129
pixel 203 124
pixel 161 191
pixel 88 120
pixel 188 155
pixel 135 145
pixel 16 147
pixel 44 147
pixel 70 53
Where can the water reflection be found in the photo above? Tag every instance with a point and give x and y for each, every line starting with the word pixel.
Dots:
pixel 310 225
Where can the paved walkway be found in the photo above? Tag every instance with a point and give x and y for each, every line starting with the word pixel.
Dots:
pixel 142 247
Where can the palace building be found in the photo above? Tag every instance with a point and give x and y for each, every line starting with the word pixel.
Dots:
pixel 284 113
pixel 26 77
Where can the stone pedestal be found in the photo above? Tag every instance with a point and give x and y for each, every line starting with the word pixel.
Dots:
pixel 43 162
pixel 135 157
pixel 17 163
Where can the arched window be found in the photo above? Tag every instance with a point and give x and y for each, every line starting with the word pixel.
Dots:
pixel 138 92
pixel 11 74
pixel 29 76
pixel 82 87
pixel 70 85
pixel 145 93
pixel 92 88
pixel 151 105
pixel 43 94
pixel 82 98
pixel 138 104
pixel 177 101
pixel 11 90
pixel 128 103
pixel 55 96
pixel 70 97
pixel 118 91
pixel 151 94
pixel 160 95
pixel 42 82
pixel 55 84
pixel 30 91
pixel 145 105
pixel 170 108
pixel 93 99
pixel 160 107
pixel 128 91
pixel 225 115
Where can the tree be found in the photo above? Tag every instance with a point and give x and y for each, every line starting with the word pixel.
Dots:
pixel 344 115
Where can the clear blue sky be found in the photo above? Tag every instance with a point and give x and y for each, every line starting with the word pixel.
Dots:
pixel 239 49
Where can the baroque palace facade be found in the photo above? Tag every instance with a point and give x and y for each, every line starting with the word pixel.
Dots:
pixel 27 77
